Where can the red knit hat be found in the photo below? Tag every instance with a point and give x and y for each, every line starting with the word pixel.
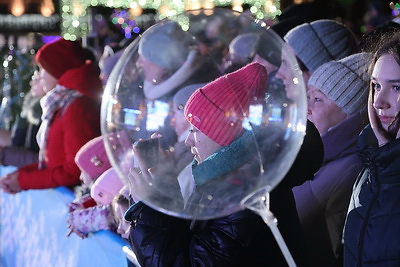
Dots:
pixel 59 56
pixel 219 108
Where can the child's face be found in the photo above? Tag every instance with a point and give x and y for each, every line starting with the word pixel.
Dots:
pixel 123 226
pixel 179 122
pixel 36 87
pixel 201 145
pixel 47 81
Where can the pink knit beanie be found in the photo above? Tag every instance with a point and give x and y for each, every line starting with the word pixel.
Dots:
pixel 219 108
pixel 92 159
pixel 106 187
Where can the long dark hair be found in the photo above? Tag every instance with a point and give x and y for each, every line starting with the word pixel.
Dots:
pixel 388 44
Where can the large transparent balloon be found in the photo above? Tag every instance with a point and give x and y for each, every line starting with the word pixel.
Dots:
pixel 191 77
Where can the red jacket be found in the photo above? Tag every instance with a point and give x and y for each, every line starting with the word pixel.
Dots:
pixel 72 127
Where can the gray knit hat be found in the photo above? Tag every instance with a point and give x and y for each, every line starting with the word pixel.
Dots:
pixel 344 81
pixel 269 48
pixel 166 45
pixel 182 96
pixel 321 41
pixel 243 45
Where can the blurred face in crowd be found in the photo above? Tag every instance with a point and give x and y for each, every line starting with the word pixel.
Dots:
pixel 286 72
pixel 385 82
pixel 268 65
pixel 123 226
pixel 179 122
pixel 36 87
pixel 152 72
pixel 201 145
pixel 323 112
pixel 47 81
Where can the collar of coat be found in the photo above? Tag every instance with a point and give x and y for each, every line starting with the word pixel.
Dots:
pixel 226 159
pixel 84 79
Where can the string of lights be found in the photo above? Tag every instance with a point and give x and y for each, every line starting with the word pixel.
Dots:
pixel 72 17
pixel 75 17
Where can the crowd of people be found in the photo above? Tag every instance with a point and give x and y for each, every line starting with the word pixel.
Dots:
pixel 336 206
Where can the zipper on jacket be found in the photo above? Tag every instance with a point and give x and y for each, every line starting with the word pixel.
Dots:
pixel 367 216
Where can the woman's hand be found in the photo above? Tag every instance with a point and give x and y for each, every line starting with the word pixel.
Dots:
pixel 140 178
pixel 144 178
pixel 192 60
pixel 138 183
pixel 9 183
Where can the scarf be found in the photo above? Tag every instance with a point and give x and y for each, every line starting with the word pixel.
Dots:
pixel 226 159
pixel 58 98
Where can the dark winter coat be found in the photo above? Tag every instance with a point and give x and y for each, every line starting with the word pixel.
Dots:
pixel 372 230
pixel 322 202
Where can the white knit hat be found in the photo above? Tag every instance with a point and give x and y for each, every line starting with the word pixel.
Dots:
pixel 106 187
pixel 182 96
pixel 166 45
pixel 321 41
pixel 344 81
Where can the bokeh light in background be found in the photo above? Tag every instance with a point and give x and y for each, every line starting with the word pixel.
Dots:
pixel 76 18
pixel 395 9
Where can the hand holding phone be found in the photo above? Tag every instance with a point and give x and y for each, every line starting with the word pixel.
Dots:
pixel 147 153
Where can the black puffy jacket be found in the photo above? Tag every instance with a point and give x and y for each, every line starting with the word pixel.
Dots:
pixel 372 230
pixel 239 239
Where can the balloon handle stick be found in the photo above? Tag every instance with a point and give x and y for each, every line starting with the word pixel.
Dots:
pixel 259 203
